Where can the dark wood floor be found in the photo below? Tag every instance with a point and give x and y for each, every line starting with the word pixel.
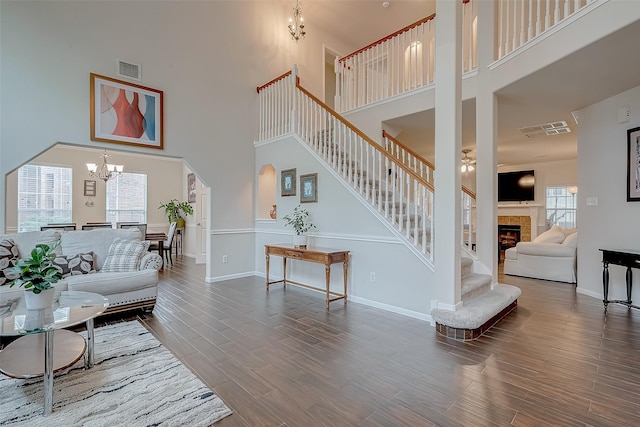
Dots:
pixel 279 358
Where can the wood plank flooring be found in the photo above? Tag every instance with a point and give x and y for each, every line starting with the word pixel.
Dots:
pixel 279 359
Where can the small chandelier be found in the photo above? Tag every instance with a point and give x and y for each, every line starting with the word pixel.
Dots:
pixel 467 163
pixel 106 171
pixel 296 24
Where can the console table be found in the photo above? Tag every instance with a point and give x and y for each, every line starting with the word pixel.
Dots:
pixel 625 258
pixel 316 255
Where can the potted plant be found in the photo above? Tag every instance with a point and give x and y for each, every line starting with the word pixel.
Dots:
pixel 299 219
pixel 36 275
pixel 176 211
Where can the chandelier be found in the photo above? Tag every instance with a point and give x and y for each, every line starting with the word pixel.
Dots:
pixel 467 163
pixel 296 24
pixel 106 171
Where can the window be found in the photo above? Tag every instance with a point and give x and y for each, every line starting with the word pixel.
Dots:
pixel 44 196
pixel 127 198
pixel 561 206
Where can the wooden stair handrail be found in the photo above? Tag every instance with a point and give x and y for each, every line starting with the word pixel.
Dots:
pixel 409 150
pixel 264 86
pixel 422 159
pixel 369 141
pixel 390 36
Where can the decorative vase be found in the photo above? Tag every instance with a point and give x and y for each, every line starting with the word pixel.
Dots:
pixel 300 241
pixel 39 301
pixel 272 212
pixel 179 222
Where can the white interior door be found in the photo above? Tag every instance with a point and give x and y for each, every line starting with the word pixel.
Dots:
pixel 202 209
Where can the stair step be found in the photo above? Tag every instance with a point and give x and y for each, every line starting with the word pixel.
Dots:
pixel 474 285
pixel 466 265
pixel 478 314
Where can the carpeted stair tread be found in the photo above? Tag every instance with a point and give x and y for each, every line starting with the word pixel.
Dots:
pixel 466 265
pixel 479 310
pixel 474 284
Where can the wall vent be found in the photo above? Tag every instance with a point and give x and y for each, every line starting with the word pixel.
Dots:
pixel 129 70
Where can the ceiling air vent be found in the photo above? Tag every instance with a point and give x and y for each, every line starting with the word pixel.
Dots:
pixel 546 129
pixel 129 70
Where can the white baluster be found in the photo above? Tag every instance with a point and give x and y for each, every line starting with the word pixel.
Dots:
pixel 547 17
pixel 522 23
pixel 501 50
pixel 508 27
pixel 556 13
pixel 567 9
pixel 538 18
pixel 514 43
pixel 530 27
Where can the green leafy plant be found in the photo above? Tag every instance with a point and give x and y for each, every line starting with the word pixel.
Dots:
pixel 299 219
pixel 37 272
pixel 175 209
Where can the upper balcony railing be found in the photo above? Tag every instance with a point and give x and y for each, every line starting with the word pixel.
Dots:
pixel 398 63
pixel 520 21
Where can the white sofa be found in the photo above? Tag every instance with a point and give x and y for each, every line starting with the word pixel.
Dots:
pixel 551 256
pixel 136 288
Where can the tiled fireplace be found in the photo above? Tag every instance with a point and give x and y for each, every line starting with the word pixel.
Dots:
pixel 523 221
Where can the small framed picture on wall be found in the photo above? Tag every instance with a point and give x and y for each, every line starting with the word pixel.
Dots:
pixel 89 188
pixel 288 182
pixel 309 188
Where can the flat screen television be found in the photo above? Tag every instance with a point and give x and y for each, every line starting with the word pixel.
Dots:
pixel 516 186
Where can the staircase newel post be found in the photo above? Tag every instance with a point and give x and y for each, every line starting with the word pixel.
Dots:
pixel 294 98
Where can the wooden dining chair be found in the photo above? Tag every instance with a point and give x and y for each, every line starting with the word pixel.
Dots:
pixel 141 227
pixel 165 247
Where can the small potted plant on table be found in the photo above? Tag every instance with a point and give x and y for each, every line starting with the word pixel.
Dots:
pixel 176 211
pixel 36 275
pixel 299 219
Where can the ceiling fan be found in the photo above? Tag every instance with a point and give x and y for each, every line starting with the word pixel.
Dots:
pixel 467 163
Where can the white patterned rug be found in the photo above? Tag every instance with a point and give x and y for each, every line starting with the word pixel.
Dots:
pixel 135 381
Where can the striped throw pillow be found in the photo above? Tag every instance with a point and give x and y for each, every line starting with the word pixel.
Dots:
pixel 124 255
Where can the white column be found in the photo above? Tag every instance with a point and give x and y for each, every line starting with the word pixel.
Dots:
pixel 448 118
pixel 486 134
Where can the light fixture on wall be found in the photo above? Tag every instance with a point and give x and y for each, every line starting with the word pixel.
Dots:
pixel 467 163
pixel 296 24
pixel 106 171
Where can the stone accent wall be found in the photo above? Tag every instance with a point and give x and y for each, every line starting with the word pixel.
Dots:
pixel 523 221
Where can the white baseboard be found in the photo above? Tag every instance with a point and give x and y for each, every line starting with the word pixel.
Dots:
pixel 393 309
pixel 229 277
pixel 582 291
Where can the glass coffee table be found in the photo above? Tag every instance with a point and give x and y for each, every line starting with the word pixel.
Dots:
pixel 41 336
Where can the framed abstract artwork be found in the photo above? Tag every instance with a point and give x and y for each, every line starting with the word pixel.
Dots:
pixel 126 113
pixel 633 165
pixel 288 182
pixel 309 188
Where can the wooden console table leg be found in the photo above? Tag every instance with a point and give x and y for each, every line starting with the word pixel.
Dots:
pixel 327 280
pixel 267 269
pixel 345 267
pixel 284 271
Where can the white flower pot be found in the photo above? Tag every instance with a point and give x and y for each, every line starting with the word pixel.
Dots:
pixel 300 241
pixel 39 301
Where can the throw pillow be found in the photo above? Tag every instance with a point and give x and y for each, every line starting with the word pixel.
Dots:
pixel 8 257
pixel 571 240
pixel 124 255
pixel 72 265
pixel 555 235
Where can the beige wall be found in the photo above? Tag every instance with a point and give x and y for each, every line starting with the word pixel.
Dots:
pixel 165 181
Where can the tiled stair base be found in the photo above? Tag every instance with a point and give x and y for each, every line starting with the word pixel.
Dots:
pixel 477 315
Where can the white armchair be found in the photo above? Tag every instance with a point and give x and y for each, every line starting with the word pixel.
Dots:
pixel 551 256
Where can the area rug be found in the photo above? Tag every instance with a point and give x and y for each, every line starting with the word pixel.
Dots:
pixel 135 381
